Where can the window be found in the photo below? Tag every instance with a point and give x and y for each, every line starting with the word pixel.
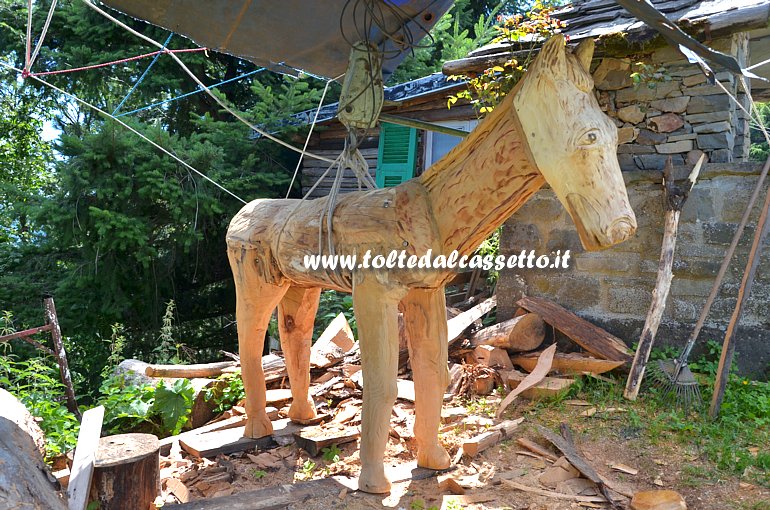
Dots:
pixel 396 156
pixel 437 145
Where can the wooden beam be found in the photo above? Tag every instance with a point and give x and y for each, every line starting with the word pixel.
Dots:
pixel 494 435
pixel 189 371
pixel 85 453
pixel 588 336
pixel 457 325
pixel 728 346
pixel 418 124
pixel 570 363
pixel 61 355
pixel 26 332
pixel 316 438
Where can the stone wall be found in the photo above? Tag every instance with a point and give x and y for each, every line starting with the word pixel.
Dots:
pixel 613 287
pixel 677 114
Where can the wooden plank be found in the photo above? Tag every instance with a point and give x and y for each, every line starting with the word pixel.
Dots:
pixel 83 463
pixel 547 388
pixel 211 444
pixel 457 325
pixel 178 489
pixel 571 363
pixel 334 342
pixel 235 421
pixel 405 389
pixel 316 438
pixel 588 336
pixel 536 448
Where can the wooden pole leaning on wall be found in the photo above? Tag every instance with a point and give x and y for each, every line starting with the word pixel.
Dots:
pixel 728 346
pixel 61 355
pixel 675 199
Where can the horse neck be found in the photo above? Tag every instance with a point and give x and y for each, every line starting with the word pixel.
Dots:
pixel 482 181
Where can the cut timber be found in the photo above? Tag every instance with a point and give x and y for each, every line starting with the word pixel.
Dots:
pixel 189 371
pixel 314 439
pixel 547 388
pixel 126 468
pixel 334 342
pixel 522 333
pixel 274 368
pixel 178 489
pixel 538 374
pixel 567 446
pixel 491 357
pixel 591 338
pixel 536 448
pixel 494 435
pixel 457 325
pixel 25 480
pixel 83 463
pixel 211 444
pixel 278 397
pixel 551 494
pixel 235 421
pixel 405 390
pixel 658 500
pixel 572 363
pixel 272 498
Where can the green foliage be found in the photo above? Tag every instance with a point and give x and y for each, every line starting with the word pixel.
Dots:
pixel 487 89
pixel 258 474
pixel 308 467
pixel 229 393
pixel 331 453
pixel 331 304
pixel 117 343
pixel 759 150
pixel 163 409
pixel 35 382
pixel 649 75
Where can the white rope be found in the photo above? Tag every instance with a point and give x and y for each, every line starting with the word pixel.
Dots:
pixel 28 51
pixel 140 135
pixel 309 134
pixel 42 35
pixel 753 106
pixel 205 89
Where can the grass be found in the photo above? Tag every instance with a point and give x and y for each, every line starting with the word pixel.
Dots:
pixel 735 444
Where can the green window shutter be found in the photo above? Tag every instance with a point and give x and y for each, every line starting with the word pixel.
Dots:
pixel 397 154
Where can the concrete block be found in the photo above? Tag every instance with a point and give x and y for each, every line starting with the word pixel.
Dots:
pixel 607 262
pixel 631 298
pixel 699 206
pixel 520 236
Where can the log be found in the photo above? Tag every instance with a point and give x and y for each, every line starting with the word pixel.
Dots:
pixel 588 336
pixel 85 453
pixel 491 357
pixel 189 371
pixel 458 324
pixel 126 471
pixel 334 342
pixel 571 363
pixel 25 480
pixel 494 435
pixel 523 333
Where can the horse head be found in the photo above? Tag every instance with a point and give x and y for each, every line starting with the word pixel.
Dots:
pixel 574 144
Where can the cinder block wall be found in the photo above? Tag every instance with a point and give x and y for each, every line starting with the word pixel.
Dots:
pixel 613 288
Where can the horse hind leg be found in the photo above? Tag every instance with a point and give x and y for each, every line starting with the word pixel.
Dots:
pixel 296 315
pixel 255 301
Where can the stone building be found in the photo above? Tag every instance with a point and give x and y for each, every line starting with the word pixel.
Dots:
pixel 677 114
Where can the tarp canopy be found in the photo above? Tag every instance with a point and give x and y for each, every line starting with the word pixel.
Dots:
pixel 311 35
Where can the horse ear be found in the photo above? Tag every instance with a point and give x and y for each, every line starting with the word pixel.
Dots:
pixel 584 53
pixel 553 57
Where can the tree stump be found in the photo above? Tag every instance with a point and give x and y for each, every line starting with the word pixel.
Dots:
pixel 126 472
pixel 25 480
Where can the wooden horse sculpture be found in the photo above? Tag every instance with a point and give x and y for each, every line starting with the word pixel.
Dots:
pixel 549 129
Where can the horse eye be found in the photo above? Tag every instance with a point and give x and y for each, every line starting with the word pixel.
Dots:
pixel 589 138
pixel 592 137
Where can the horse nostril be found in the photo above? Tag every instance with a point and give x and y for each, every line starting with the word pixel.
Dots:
pixel 621 229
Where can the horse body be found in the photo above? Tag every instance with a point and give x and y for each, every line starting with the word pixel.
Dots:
pixel 549 129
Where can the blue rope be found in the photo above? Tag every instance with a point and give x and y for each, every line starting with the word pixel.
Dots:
pixel 143 75
pixel 191 93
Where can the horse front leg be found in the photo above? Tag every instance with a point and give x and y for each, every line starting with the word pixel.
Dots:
pixel 426 328
pixel 376 308
pixel 255 301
